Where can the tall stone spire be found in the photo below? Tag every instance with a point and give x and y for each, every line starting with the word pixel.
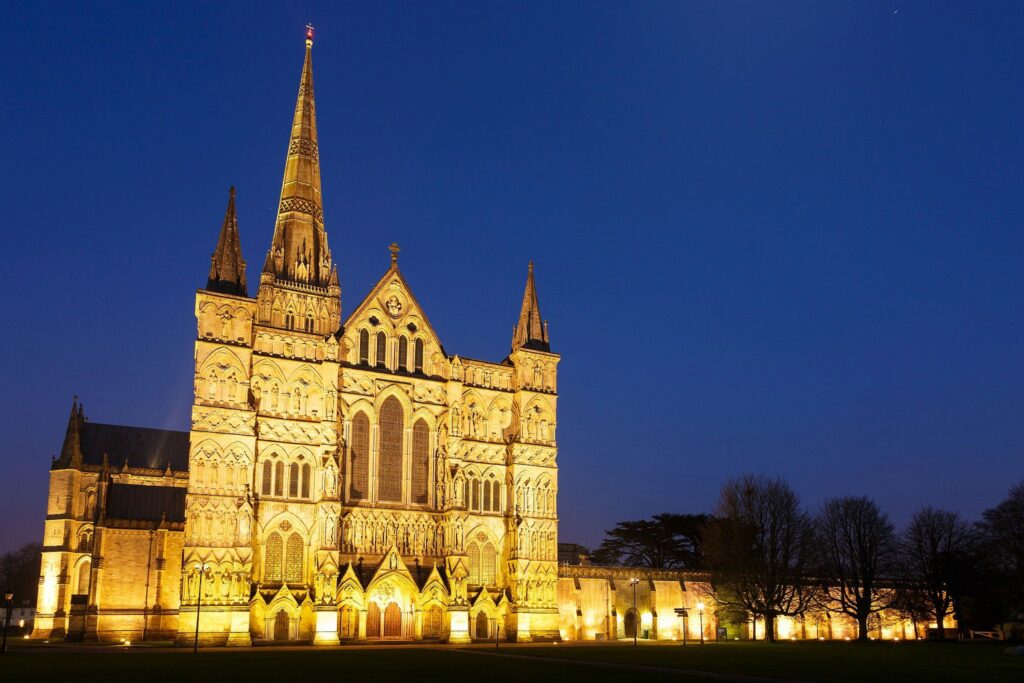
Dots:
pixel 530 332
pixel 227 267
pixel 299 251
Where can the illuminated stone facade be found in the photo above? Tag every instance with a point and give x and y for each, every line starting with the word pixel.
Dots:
pixel 342 480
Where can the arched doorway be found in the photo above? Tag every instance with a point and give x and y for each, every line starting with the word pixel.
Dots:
pixel 373 621
pixel 629 624
pixel 282 626
pixel 483 625
pixel 392 621
pixel 348 622
pixel 432 622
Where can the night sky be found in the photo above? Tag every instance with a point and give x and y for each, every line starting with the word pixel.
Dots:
pixel 778 237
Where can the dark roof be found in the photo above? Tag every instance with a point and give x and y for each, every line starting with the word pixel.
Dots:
pixel 140 446
pixel 146 503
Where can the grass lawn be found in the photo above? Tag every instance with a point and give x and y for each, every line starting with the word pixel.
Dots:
pixel 813 661
pixel 528 664
pixel 95 664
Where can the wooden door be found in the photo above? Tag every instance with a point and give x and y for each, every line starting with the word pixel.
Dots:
pixel 482 625
pixel 373 621
pixel 282 626
pixel 630 624
pixel 393 621
pixel 432 622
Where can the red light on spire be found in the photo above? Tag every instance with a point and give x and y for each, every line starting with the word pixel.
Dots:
pixel 309 33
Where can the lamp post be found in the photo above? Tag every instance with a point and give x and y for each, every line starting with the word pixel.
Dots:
pixel 700 616
pixel 9 597
pixel 633 582
pixel 202 568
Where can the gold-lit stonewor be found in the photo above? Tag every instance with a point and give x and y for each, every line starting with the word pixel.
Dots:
pixel 343 479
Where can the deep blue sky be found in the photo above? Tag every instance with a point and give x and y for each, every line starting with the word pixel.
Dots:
pixel 781 237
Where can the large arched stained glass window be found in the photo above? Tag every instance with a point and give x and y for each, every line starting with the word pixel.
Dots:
pixel 473 550
pixel 272 563
pixel 488 563
pixel 293 559
pixel 389 473
pixel 420 462
pixel 359 457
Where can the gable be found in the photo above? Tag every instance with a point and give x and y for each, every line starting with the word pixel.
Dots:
pixel 392 309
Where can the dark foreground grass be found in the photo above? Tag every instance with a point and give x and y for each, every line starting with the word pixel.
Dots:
pixel 813 661
pixel 840 662
pixel 89 665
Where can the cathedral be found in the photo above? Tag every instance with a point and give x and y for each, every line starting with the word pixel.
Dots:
pixel 345 479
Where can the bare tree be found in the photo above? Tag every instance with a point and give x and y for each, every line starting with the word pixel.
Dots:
pixel 933 547
pixel 759 548
pixel 1002 548
pixel 857 543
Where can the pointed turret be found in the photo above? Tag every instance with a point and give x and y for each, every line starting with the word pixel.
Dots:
pixel 530 332
pixel 227 267
pixel 299 251
pixel 71 451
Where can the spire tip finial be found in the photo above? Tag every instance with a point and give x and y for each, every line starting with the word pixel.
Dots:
pixel 393 248
pixel 309 35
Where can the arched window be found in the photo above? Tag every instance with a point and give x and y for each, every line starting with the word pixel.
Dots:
pixel 359 457
pixel 309 321
pixel 475 501
pixel 487 564
pixel 268 477
pixel 419 355
pixel 495 495
pixel 382 349
pixel 420 461
pixel 279 478
pixel 487 496
pixel 403 354
pixel 474 564
pixel 389 472
pixel 84 571
pixel 272 563
pixel 306 471
pixel 90 503
pixel 85 541
pixel 364 347
pixel 293 559
pixel 289 319
pixel 293 480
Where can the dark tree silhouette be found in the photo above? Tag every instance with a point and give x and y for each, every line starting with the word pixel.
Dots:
pixel 1001 545
pixel 19 572
pixel 665 541
pixel 934 546
pixel 858 550
pixel 759 548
